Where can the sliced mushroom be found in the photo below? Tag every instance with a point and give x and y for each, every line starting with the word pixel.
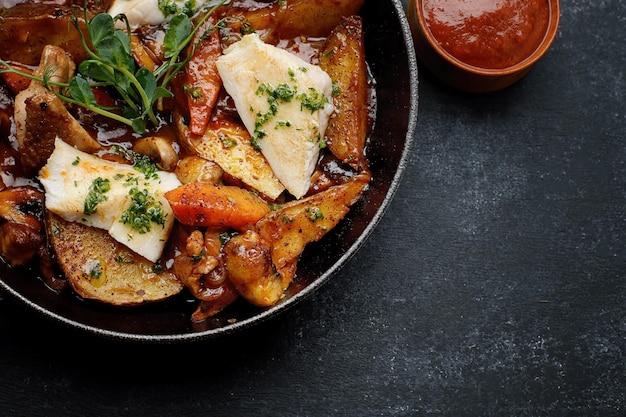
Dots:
pixel 159 150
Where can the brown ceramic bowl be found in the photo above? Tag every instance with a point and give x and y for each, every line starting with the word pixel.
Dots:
pixel 435 54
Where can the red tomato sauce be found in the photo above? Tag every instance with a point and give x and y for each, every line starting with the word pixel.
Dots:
pixel 490 34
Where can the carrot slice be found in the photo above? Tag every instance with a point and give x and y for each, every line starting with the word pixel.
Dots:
pixel 17 82
pixel 212 205
pixel 202 81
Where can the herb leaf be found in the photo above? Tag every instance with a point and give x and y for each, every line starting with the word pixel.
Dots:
pixel 180 29
pixel 81 91
pixel 111 64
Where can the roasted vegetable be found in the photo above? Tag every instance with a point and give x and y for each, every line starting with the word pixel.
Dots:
pixel 100 268
pixel 41 117
pixel 344 60
pixel 28 27
pixel 289 229
pixel 202 81
pixel 228 144
pixel 212 205
pixel 201 268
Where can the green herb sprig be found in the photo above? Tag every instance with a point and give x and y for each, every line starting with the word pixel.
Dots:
pixel 111 65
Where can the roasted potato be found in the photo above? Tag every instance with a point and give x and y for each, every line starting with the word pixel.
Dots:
pixel 28 27
pixel 314 17
pixel 100 268
pixel 344 60
pixel 228 144
pixel 289 229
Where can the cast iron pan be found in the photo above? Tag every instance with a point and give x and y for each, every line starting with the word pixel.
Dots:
pixel 391 57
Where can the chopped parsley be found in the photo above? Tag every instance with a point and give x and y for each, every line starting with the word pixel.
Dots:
pixel 146 167
pixel 192 91
pixel 96 194
pixel 227 141
pixel 170 8
pixel 315 213
pixel 312 101
pixel 96 270
pixel 143 211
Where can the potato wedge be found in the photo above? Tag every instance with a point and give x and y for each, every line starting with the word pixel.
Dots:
pixel 28 27
pixel 300 222
pixel 228 144
pixel 343 59
pixel 99 268
pixel 314 17
pixel 290 19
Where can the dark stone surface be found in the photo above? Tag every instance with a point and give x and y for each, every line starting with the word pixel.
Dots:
pixel 494 286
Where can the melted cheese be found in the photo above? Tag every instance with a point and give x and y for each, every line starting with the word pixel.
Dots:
pixel 68 178
pixel 285 104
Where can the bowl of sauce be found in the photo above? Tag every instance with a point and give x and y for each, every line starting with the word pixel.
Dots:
pixel 482 45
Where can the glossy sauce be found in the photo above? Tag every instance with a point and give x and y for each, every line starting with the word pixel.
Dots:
pixel 491 34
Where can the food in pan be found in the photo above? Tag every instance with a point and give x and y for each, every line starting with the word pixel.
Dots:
pixel 157 148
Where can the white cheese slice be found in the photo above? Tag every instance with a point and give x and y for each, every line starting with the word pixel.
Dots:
pixel 69 177
pixel 285 104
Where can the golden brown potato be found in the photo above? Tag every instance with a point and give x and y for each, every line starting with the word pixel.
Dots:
pixel 289 19
pixel 248 260
pixel 100 268
pixel 344 60
pixel 197 169
pixel 228 144
pixel 28 27
pixel 290 228
pixel 313 17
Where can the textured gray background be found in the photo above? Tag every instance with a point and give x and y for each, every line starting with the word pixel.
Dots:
pixel 494 286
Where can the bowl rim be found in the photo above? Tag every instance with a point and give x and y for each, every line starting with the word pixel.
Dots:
pixel 525 64
pixel 315 284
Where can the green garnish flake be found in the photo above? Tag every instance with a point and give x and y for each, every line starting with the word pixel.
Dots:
pixel 227 141
pixel 96 194
pixel 282 123
pixel 143 211
pixel 122 260
pixel 96 271
pixel 146 167
pixel 315 213
pixel 198 257
pixel 312 101
pixel 193 92
pixel 76 161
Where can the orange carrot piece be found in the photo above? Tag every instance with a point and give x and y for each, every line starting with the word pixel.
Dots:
pixel 16 82
pixel 202 81
pixel 212 205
